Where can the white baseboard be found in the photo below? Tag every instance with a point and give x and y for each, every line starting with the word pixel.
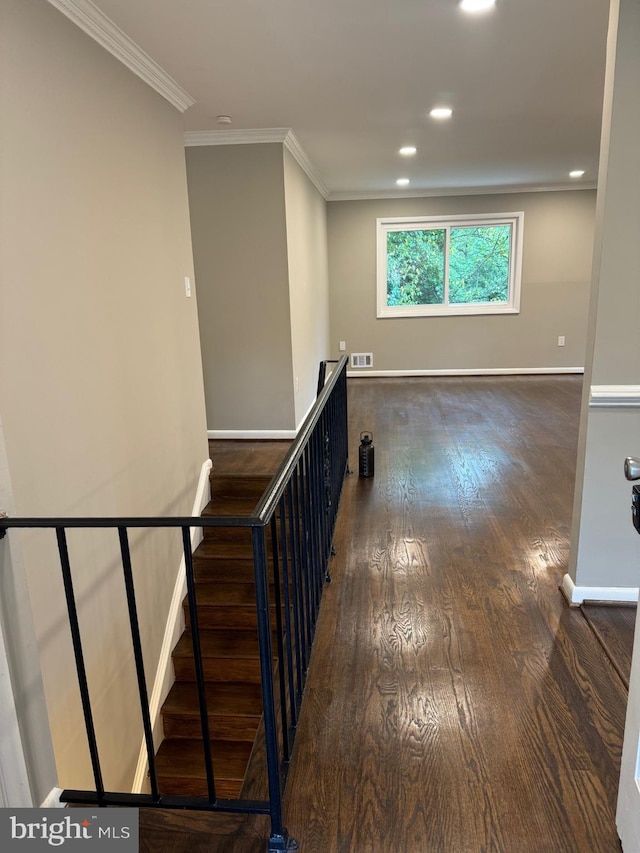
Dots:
pixel 173 630
pixel 255 434
pixel 262 434
pixel 576 595
pixel 52 800
pixel 473 371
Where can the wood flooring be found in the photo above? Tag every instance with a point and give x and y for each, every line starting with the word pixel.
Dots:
pixel 613 627
pixel 454 702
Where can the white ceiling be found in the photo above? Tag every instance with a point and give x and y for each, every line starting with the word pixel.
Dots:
pixel 355 79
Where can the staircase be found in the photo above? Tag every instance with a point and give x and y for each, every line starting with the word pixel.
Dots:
pixel 301 511
pixel 225 596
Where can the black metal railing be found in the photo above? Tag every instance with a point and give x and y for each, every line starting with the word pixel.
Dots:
pixel 322 373
pixel 291 532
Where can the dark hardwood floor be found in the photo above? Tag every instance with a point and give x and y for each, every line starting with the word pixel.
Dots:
pixel 613 627
pixel 454 702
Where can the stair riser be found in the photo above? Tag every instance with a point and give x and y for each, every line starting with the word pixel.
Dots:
pixel 219 569
pixel 231 486
pixel 240 535
pixel 228 570
pixel 220 669
pixel 233 616
pixel 236 538
pixel 220 728
pixel 179 786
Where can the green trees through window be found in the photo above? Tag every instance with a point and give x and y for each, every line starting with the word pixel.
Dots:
pixel 449 266
pixel 478 265
pixel 415 267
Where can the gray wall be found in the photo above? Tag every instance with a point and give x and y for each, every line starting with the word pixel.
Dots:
pixel 24 703
pixel 306 213
pixel 101 392
pixel 558 236
pixel 238 223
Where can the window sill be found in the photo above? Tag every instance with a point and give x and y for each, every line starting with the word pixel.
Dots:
pixel 444 311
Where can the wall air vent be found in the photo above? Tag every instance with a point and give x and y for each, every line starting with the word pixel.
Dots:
pixel 361 359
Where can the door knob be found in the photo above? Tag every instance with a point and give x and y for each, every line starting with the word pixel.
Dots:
pixel 632 468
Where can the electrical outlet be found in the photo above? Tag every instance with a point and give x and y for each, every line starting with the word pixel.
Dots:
pixel 343 346
pixel 560 340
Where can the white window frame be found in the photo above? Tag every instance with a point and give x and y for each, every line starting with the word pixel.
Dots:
pixel 407 223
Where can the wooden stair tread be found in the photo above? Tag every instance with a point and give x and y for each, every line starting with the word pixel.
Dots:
pixel 231 506
pixel 224 571
pixel 181 786
pixel 220 643
pixel 227 594
pixel 238 485
pixel 236 699
pixel 233 534
pixel 229 606
pixel 183 757
pixel 231 617
pixel 224 549
pixel 234 711
pixel 228 655
pixel 208 549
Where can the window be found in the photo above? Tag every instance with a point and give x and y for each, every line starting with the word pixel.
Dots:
pixel 431 265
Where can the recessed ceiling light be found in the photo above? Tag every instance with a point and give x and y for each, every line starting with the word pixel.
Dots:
pixel 476 5
pixel 223 119
pixel 441 112
pixel 408 151
pixel 403 182
pixel 577 173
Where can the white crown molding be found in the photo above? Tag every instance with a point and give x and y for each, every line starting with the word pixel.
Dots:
pixel 284 135
pixel 295 149
pixel 194 138
pixel 442 192
pixel 95 23
pixel 614 396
